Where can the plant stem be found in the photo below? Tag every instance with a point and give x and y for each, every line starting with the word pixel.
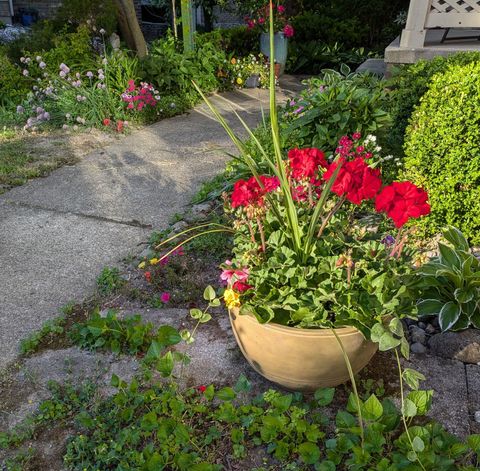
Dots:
pixel 402 399
pixel 262 234
pixel 250 228
pixel 329 216
pixel 354 386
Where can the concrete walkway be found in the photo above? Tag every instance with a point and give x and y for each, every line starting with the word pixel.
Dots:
pixel 57 233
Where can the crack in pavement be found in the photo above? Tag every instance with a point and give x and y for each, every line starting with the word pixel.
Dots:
pixel 132 223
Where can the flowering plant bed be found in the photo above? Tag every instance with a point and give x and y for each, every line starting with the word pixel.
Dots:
pixel 309 249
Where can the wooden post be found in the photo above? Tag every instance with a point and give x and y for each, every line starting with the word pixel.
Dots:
pixel 188 25
pixel 413 36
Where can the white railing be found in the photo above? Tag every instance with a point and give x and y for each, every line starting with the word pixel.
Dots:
pixel 428 14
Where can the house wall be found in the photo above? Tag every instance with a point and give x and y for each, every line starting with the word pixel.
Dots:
pixel 45 8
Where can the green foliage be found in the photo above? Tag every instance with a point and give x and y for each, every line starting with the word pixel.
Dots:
pixel 334 105
pixel 64 403
pixel 328 290
pixel 442 150
pixel 20 156
pixel 172 71
pixel 408 84
pixel 129 335
pixel 109 281
pixel 236 42
pixel 99 14
pixel 121 67
pixel 451 284
pixel 195 429
pixel 12 83
pixel 211 189
pixel 370 24
pixel 49 329
pixel 312 57
pixel 71 48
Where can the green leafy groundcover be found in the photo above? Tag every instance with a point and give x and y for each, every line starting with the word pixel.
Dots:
pixel 154 424
pixel 164 428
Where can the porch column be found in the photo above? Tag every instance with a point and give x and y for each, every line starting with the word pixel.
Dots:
pixel 413 36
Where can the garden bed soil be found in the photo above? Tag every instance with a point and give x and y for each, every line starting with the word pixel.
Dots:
pixel 25 155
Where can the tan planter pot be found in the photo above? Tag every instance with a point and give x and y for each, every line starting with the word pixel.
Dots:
pixel 300 359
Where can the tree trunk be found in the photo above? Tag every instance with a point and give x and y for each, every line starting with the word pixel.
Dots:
pixel 130 28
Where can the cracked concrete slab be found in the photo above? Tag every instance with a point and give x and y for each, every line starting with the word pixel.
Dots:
pixel 57 233
pixel 48 259
pixel 150 174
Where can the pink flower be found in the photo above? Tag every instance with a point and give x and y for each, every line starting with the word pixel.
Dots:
pixel 230 276
pixel 250 24
pixel 165 297
pixel 281 9
pixel 356 136
pixel 131 86
pixel 261 20
pixel 288 31
pixel 164 261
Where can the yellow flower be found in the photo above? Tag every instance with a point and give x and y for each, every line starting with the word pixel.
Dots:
pixel 231 298
pixel 141 265
pixel 154 261
pixel 239 81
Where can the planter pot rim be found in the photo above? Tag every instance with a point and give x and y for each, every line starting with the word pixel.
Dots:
pixel 298 331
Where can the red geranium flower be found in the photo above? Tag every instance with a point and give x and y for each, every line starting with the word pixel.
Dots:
pixel 356 180
pixel 250 192
pixel 106 122
pixel 241 286
pixel 202 388
pixel 402 201
pixel 148 276
pixel 242 194
pixel 306 162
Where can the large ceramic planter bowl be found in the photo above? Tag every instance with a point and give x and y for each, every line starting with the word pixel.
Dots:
pixel 300 359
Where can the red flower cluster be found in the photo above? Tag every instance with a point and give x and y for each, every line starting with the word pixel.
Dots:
pixel 402 201
pixel 305 162
pixel 246 193
pixel 139 97
pixel 241 286
pixel 356 180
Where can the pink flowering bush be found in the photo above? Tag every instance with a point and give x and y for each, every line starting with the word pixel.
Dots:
pixel 138 97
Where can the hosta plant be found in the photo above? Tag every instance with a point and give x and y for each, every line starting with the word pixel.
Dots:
pixel 451 284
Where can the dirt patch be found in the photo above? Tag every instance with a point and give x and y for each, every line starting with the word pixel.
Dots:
pixel 27 155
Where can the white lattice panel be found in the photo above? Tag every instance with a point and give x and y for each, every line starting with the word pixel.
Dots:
pixel 455 6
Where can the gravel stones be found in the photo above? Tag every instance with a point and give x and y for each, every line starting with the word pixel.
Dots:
pixel 462 346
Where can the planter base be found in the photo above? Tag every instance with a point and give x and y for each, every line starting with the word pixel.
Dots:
pixel 300 359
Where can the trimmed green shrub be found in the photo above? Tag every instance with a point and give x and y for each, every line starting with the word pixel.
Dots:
pixel 442 150
pixel 409 83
